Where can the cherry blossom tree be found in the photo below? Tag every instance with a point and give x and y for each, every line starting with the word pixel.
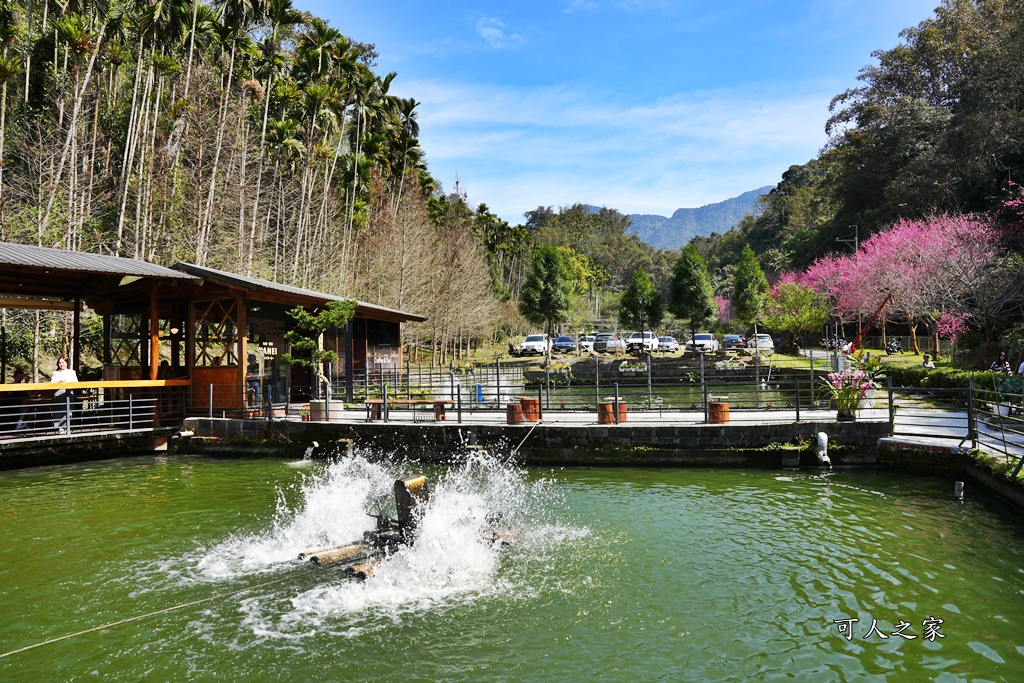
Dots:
pixel 942 272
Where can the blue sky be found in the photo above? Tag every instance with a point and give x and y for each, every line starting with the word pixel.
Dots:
pixel 642 105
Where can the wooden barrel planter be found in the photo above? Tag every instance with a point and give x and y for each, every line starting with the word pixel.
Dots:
pixel 718 412
pixel 606 412
pixel 531 409
pixel 514 413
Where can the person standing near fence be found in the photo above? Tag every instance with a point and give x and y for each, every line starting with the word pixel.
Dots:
pixel 253 379
pixel 1002 365
pixel 61 397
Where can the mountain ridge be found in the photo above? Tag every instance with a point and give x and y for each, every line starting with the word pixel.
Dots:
pixel 675 231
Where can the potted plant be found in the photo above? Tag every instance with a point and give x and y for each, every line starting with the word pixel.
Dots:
pixel 871 366
pixel 1007 388
pixel 846 389
pixel 632 366
pixel 306 351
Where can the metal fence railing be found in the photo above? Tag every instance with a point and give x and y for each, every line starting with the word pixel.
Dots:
pixel 940 416
pixel 34 412
pixel 999 423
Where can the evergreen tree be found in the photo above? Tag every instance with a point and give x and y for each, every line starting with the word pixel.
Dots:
pixel 690 295
pixel 750 295
pixel 642 306
pixel 546 295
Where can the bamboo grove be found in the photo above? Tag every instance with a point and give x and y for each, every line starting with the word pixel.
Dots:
pixel 243 135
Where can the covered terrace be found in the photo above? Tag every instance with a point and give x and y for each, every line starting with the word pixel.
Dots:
pixel 187 339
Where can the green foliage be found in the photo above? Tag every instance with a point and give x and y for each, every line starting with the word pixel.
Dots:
pixel 750 289
pixel 938 378
pixel 304 338
pixel 505 247
pixel 546 295
pixel 934 126
pixel 603 237
pixel 641 306
pixel 690 295
pixel 796 308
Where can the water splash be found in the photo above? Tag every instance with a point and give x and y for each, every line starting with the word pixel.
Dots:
pixel 449 563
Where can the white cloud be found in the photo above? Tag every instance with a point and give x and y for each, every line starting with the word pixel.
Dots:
pixel 517 148
pixel 493 31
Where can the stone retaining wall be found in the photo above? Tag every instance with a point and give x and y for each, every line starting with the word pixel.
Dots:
pixel 772 445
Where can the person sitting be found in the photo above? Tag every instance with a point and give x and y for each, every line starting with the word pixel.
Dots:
pixel 164 370
pixel 1002 365
pixel 927 363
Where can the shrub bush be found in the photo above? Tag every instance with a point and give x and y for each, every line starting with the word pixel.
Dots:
pixel 939 378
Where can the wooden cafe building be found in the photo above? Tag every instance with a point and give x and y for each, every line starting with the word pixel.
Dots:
pixel 218 334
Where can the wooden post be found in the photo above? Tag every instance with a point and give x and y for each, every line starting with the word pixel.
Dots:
pixel 76 326
pixel 243 359
pixel 154 330
pixel 349 362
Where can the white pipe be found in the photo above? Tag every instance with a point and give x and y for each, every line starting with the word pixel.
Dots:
pixel 823 450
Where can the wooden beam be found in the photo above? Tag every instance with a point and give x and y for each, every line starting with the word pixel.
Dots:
pixel 38 304
pixel 113 384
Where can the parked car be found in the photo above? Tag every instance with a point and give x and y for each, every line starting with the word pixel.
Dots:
pixel 606 342
pixel 642 341
pixel 703 342
pixel 734 341
pixel 668 344
pixel 564 344
pixel 586 342
pixel 762 344
pixel 536 345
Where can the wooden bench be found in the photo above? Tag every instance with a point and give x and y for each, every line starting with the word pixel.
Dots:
pixel 375 406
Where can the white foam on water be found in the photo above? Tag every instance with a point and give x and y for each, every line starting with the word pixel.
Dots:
pixel 449 563
pixel 332 510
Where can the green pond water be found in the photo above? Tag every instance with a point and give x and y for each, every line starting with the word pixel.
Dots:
pixel 621 575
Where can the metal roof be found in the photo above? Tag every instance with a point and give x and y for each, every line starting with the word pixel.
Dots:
pixel 29 275
pixel 254 284
pixel 24 255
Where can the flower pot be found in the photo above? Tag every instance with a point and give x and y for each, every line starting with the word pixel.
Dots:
pixel 320 410
pixel 846 415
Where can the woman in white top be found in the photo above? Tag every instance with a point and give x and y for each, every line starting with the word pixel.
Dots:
pixel 63 373
pixel 61 403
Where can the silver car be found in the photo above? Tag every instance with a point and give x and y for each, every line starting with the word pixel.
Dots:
pixel 668 344
pixel 703 342
pixel 762 344
pixel 606 342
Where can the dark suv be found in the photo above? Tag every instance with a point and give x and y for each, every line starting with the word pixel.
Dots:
pixel 564 344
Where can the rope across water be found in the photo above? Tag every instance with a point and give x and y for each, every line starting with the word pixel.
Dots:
pixel 143 616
